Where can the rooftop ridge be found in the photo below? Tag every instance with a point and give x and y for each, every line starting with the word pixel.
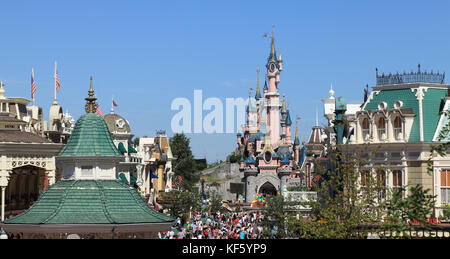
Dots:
pixel 104 207
pixel 412 77
pixel 58 208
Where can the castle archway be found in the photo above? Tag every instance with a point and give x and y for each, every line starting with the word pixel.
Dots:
pixel 267 190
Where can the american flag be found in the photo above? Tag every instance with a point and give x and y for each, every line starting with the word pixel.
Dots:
pixel 56 81
pixel 33 84
pixel 114 103
pixel 99 111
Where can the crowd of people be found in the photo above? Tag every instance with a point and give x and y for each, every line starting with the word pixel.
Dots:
pixel 230 225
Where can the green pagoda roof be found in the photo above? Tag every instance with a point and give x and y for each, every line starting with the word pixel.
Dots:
pixel 90 202
pixel 90 137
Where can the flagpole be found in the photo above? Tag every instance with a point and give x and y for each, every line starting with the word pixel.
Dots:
pixel 112 104
pixel 54 76
pixel 32 94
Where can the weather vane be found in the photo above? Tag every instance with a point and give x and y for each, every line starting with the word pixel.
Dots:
pixel 273 32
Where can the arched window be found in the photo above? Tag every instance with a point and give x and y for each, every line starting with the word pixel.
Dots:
pixel 365 128
pixel 381 125
pixel 398 128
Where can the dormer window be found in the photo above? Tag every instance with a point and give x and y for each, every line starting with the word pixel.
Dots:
pixel 398 104
pixel 365 129
pixel 381 125
pixel 398 128
pixel 382 106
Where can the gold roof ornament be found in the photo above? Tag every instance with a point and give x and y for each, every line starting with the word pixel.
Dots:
pixel 296 126
pixel 267 143
pixel 272 56
pixel 91 104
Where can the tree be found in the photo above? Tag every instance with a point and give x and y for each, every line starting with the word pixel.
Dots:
pixel 215 201
pixel 403 212
pixel 179 204
pixel 349 197
pixel 184 163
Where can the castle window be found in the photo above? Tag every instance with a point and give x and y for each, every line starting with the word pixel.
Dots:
pixel 365 128
pixel 381 125
pixel 398 128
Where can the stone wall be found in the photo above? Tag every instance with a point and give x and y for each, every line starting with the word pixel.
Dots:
pixel 225 174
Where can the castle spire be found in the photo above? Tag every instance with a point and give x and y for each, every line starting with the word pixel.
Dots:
pixel 296 141
pixel 317 117
pixel 91 104
pixel 258 92
pixel 273 55
pixel 265 84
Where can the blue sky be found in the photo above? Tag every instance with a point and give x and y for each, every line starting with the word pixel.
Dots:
pixel 147 53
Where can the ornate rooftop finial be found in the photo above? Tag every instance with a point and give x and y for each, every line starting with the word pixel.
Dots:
pixel 2 91
pixel 418 67
pixel 331 92
pixel 317 117
pixel 91 104
pixel 296 126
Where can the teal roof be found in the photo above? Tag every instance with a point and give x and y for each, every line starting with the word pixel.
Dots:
pixel 250 159
pixel 121 148
pixel 288 118
pixel 431 107
pixel 90 202
pixel 131 149
pixel 90 137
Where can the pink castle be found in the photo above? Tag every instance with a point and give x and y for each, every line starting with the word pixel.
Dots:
pixel 271 156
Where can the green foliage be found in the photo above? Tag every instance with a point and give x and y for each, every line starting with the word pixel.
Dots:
pixel 179 204
pixel 236 158
pixel 275 217
pixel 296 188
pixel 200 164
pixel 446 212
pixel 184 163
pixel 441 148
pixel 215 202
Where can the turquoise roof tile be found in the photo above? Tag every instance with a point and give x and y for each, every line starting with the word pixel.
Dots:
pixel 431 108
pixel 90 202
pixel 90 137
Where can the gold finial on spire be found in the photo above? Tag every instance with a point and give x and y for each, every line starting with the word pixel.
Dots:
pixel 272 49
pixel 284 102
pixel 258 91
pixel 91 104
pixel 296 126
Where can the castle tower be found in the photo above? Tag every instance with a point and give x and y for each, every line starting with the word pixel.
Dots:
pixel 273 97
pixel 258 98
pixel 296 142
